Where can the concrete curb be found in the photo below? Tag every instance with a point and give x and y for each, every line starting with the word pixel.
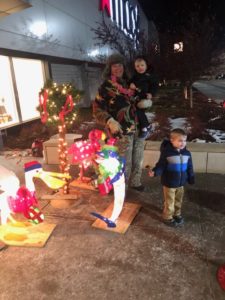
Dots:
pixel 207 158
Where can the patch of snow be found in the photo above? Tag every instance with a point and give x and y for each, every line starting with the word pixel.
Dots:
pixel 198 141
pixel 218 135
pixel 216 118
pixel 150 116
pixel 178 123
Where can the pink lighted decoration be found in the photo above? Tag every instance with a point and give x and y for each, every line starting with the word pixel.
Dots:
pixel 22 200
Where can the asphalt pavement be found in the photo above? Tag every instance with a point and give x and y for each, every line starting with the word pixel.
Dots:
pixel 149 262
pixel 213 89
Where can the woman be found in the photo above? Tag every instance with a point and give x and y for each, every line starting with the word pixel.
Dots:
pixel 113 109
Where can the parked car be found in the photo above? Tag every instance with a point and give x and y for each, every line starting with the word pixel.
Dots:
pixel 220 76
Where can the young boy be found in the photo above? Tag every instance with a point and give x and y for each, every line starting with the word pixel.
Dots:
pixel 145 85
pixel 175 168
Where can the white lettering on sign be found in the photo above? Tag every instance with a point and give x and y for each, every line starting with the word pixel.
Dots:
pixel 124 14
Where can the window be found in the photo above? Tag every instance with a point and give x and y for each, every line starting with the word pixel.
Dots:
pixel 8 111
pixel 29 81
pixel 20 83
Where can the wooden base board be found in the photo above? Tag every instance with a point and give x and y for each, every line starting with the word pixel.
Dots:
pixel 2 245
pixel 59 200
pixel 60 196
pixel 130 210
pixel 26 234
pixel 83 185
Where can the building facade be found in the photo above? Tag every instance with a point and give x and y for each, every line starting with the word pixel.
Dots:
pixel 42 39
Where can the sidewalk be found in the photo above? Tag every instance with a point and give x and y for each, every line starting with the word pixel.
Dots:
pixel 149 262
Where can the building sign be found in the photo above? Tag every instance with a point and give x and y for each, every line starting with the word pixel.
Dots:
pixel 124 14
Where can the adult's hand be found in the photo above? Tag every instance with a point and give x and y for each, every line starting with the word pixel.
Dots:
pixel 149 96
pixel 114 126
pixel 145 103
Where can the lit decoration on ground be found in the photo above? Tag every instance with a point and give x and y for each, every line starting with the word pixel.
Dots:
pixel 26 203
pixel 57 108
pixel 111 175
pixel 26 234
pixel 83 152
pixel 108 165
pixel 16 199
pixel 53 180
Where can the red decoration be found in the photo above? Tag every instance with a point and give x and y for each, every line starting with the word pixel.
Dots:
pixel 105 187
pixel 111 141
pixel 37 148
pixel 43 105
pixel 83 150
pixel 221 276
pixel 67 108
pixel 35 215
pixel 121 89
pixel 96 135
pixel 105 4
pixel 22 201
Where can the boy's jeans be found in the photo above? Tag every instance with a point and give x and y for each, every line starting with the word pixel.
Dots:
pixel 173 198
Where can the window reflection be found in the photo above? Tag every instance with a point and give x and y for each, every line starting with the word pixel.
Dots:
pixel 29 80
pixel 8 111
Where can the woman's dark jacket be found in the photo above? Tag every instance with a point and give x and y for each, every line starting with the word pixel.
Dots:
pixel 110 102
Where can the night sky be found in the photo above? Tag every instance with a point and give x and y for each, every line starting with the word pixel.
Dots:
pixel 170 14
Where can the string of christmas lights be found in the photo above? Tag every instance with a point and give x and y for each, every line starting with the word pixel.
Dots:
pixel 57 106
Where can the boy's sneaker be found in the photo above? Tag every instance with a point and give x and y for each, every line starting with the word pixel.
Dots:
pixel 170 222
pixel 179 220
